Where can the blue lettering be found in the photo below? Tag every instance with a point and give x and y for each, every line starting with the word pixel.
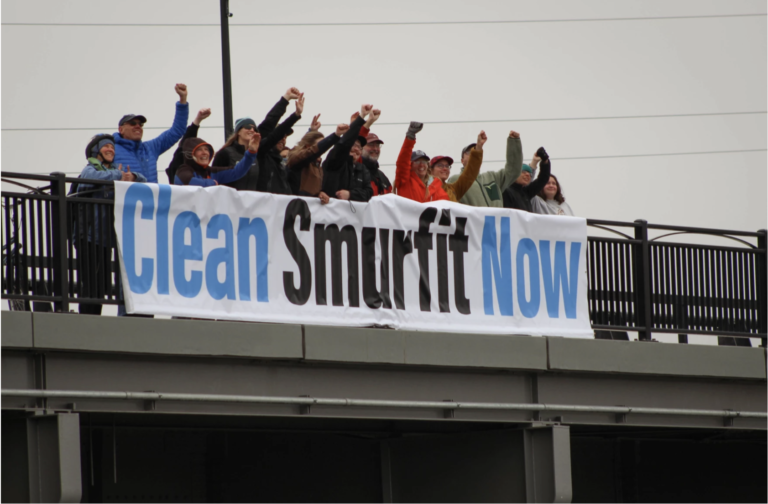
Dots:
pixel 225 254
pixel 137 193
pixel 163 207
pixel 552 286
pixel 183 252
pixel 502 273
pixel 528 307
pixel 258 229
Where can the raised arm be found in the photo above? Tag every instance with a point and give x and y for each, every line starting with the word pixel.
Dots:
pixel 242 167
pixel 178 156
pixel 273 116
pixel 514 165
pixel 469 174
pixel 340 152
pixel 541 180
pixel 403 164
pixel 169 137
pixel 269 141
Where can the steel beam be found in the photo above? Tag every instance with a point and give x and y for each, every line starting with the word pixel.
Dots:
pixel 548 464
pixel 53 449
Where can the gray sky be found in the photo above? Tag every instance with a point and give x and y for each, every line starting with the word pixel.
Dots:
pixel 88 77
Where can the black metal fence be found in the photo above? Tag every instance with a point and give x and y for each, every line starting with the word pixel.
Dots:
pixel 635 283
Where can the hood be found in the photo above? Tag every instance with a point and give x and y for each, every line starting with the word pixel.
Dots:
pixel 190 144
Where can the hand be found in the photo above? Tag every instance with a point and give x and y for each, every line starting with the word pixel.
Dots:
pixel 481 139
pixel 324 198
pixel 127 176
pixel 253 144
pixel 353 117
pixel 342 194
pixel 181 90
pixel 365 110
pixel 341 129
pixel 300 104
pixel 372 118
pixel 514 134
pixel 315 126
pixel 292 94
pixel 541 153
pixel 414 128
pixel 535 160
pixel 201 116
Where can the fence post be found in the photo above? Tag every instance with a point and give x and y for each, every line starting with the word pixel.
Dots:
pixel 642 277
pixel 60 249
pixel 762 282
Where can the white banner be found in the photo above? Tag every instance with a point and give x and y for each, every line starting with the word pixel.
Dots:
pixel 221 254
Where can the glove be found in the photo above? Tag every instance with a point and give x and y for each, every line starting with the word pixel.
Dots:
pixel 542 154
pixel 414 128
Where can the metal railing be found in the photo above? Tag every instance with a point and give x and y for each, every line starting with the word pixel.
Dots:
pixel 636 283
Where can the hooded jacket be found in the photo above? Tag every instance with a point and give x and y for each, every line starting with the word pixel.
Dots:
pixel 341 172
pixel 95 170
pixel 380 184
pixel 142 156
pixel 489 186
pixel 191 173
pixel 519 196
pixel 178 155
pixel 409 185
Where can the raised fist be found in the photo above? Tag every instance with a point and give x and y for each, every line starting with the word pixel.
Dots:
pixel 181 90
pixel 414 128
pixel 514 134
pixel 341 129
pixel 292 94
pixel 541 153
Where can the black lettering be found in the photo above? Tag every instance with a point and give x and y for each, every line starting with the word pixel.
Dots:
pixel 332 234
pixel 297 208
pixel 422 241
pixel 401 246
pixel 373 297
pixel 442 273
pixel 459 245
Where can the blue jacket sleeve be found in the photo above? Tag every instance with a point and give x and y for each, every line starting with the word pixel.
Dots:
pixel 236 173
pixel 168 138
pixel 89 172
pixel 195 181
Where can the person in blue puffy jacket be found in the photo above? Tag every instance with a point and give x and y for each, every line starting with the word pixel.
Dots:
pixel 197 171
pixel 142 156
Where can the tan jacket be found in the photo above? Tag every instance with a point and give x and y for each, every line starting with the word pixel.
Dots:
pixel 457 189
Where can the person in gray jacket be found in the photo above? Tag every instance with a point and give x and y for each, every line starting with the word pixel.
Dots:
pixel 489 186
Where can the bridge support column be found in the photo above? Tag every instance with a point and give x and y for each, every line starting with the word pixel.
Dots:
pixel 53 452
pixel 548 463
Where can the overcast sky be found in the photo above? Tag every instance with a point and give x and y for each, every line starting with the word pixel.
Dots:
pixel 494 77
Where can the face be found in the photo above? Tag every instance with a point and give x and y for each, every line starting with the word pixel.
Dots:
pixel 202 155
pixel 107 153
pixel 132 130
pixel 441 170
pixel 356 150
pixel 551 188
pixel 420 166
pixel 245 133
pixel 524 178
pixel 372 151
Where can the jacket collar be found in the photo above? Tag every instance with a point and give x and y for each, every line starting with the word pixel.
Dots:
pixel 128 144
pixel 96 164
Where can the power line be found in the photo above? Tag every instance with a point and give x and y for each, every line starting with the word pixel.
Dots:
pixel 601 118
pixel 555 159
pixel 387 23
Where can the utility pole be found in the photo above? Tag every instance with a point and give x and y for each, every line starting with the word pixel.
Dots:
pixel 226 69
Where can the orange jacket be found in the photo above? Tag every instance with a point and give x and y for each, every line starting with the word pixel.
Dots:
pixel 409 185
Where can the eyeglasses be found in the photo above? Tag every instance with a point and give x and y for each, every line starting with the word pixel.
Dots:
pixel 442 165
pixel 135 123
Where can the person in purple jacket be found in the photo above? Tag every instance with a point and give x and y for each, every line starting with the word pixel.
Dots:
pixel 197 171
pixel 142 156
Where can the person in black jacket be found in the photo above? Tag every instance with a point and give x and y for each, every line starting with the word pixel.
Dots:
pixel 522 191
pixel 178 156
pixel 260 176
pixel 343 177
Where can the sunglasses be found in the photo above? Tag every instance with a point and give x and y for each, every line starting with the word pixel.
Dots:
pixel 135 123
pixel 249 127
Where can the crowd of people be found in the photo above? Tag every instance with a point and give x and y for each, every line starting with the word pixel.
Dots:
pixel 256 157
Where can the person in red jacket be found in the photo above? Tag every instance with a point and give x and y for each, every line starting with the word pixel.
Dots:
pixel 412 178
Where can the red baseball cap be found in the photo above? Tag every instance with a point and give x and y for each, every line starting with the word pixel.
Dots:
pixel 438 158
pixel 374 138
